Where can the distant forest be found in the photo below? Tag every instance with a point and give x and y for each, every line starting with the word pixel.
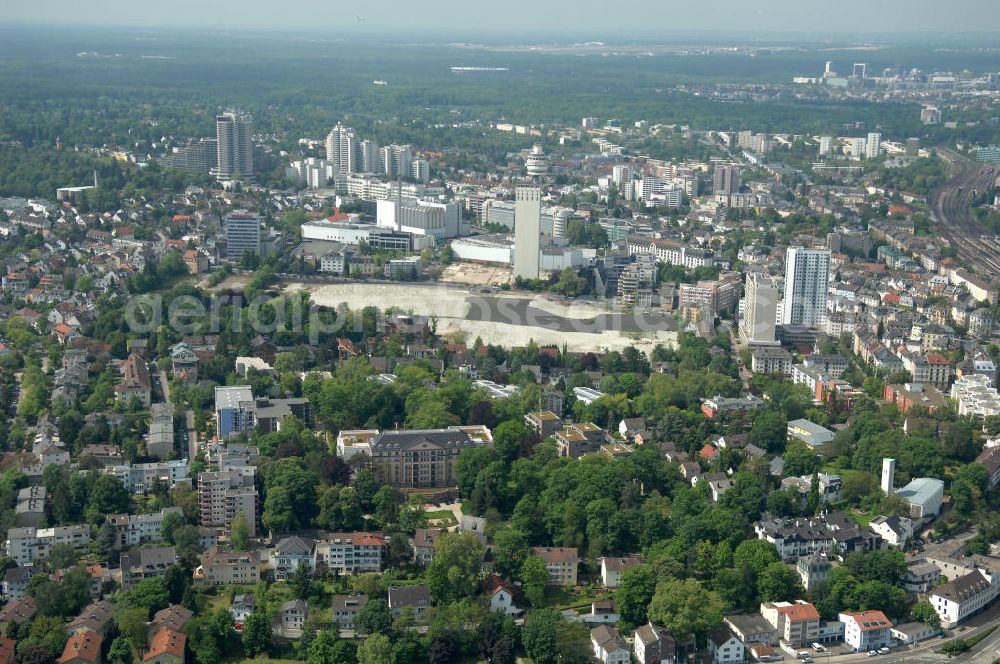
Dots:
pixel 132 88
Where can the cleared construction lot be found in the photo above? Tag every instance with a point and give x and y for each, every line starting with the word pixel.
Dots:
pixel 509 319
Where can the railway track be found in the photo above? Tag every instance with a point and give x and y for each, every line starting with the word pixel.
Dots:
pixel 950 208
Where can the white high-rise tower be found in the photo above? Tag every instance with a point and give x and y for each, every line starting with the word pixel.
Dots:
pixel 806 275
pixel 369 156
pixel 874 145
pixel 527 231
pixel 234 150
pixel 343 150
pixel 888 475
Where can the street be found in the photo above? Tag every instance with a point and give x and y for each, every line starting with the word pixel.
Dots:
pixel 190 435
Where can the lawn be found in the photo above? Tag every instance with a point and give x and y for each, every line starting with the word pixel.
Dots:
pixel 558 598
pixel 216 602
pixel 862 519
pixel 441 518
pixel 832 467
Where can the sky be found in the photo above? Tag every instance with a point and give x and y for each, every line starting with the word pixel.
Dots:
pixel 642 18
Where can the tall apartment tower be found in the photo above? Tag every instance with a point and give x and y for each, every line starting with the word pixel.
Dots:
pixel 874 145
pixel 806 276
pixel 396 160
pixel 859 147
pixel 421 170
pixel 234 145
pixel 888 475
pixel 760 308
pixel 620 174
pixel 527 231
pixel 727 179
pixel 825 144
pixel 225 495
pixel 369 156
pixel 343 150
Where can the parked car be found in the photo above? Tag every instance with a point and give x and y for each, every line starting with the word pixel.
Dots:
pixel 883 650
pixel 872 653
pixel 818 647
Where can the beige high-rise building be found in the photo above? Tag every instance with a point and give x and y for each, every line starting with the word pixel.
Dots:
pixel 527 231
pixel 760 310
pixel 225 495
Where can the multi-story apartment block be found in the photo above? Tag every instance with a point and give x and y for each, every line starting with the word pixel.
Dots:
pixel 25 545
pixel 160 442
pixel 226 495
pixel 135 381
pixel 806 276
pixel 288 555
pixel 932 369
pixel 144 477
pixel 576 440
pixel 234 145
pixel 668 251
pixel 796 623
pixel 243 234
pixel 422 458
pixel 561 562
pixel 148 563
pixel 965 596
pixel 833 533
pixel 726 179
pixel 221 567
pixel 351 552
pixel 976 396
pixel 346 609
pixel 138 529
pixel 544 423
pixel 832 365
pixel 771 360
pixel 237 411
pixel 720 295
pixel 866 630
pixel 719 405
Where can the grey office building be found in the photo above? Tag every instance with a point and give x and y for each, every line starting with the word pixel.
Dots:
pixel 242 234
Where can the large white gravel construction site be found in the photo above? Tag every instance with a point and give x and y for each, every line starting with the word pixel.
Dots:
pixel 453 309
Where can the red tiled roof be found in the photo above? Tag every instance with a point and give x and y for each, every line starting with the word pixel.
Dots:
pixel 84 645
pixel 166 642
pixel 869 620
pixel 797 612
pixel 6 649
pixel 555 554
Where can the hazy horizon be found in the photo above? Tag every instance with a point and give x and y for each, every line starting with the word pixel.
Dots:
pixel 787 19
